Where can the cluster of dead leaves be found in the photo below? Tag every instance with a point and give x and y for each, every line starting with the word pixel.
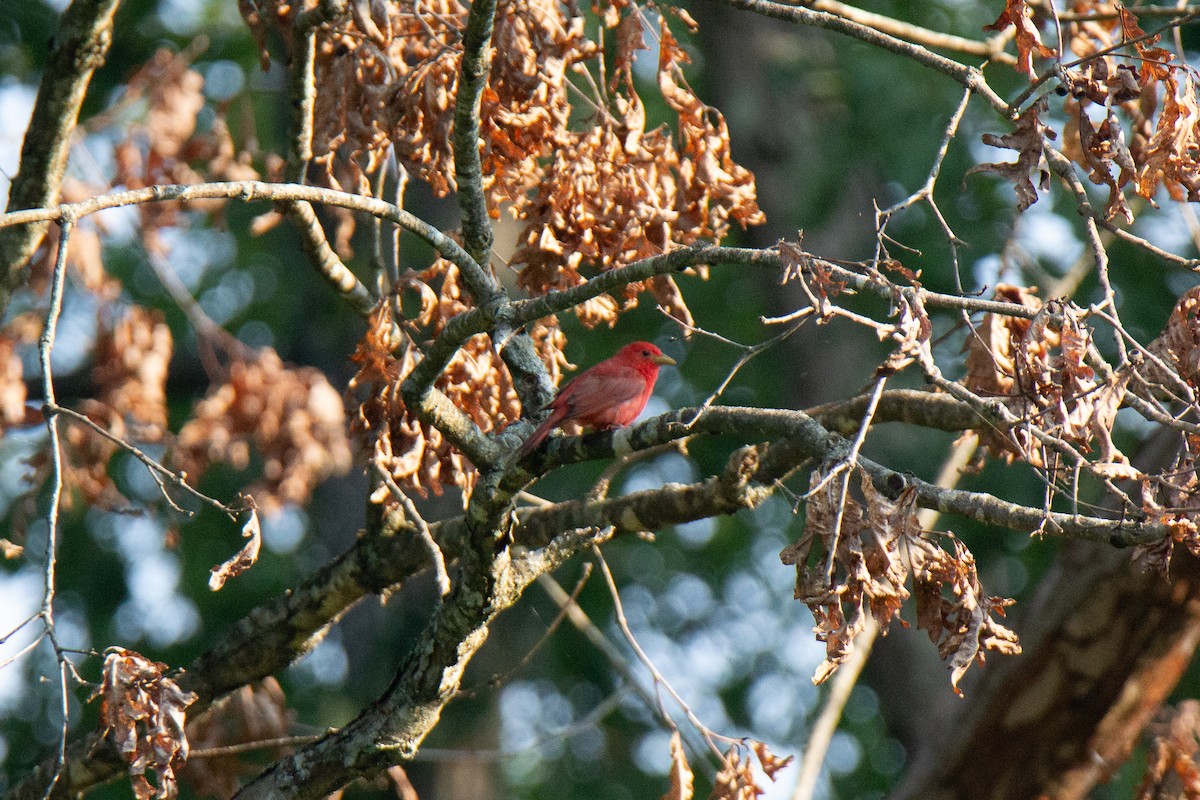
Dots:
pixel 735 780
pixel 142 711
pixel 129 371
pixel 132 358
pixel 1133 118
pixel 617 192
pixel 1038 369
pixel 853 561
pixel 593 194
pixel 1171 764
pixel 477 381
pixel 1173 496
pixel 253 713
pixel 162 144
pixel 133 349
pixel 291 417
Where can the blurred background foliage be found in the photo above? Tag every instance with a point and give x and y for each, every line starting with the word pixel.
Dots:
pixel 829 126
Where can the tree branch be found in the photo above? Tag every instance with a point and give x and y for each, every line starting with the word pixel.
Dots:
pixel 992 49
pixel 80 47
pixel 249 191
pixel 968 76
pixel 284 629
pixel 468 167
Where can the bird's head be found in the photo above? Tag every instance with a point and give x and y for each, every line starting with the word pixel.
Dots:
pixel 645 356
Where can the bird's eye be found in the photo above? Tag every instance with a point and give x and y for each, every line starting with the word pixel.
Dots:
pixel 646 353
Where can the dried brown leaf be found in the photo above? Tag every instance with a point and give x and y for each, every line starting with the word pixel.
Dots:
pixel 1171 768
pixel 130 370
pixel 244 559
pixel 1028 137
pixel 12 384
pixel 253 713
pixel 680 775
pixel 771 763
pixel 1029 40
pixel 735 780
pixel 143 713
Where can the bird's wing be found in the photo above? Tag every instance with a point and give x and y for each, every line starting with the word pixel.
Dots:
pixel 598 391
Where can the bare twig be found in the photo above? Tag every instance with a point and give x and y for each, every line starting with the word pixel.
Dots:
pixel 710 737
pixel 45 351
pixel 156 469
pixel 414 517
pixel 992 49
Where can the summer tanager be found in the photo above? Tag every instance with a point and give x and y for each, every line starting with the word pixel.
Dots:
pixel 609 395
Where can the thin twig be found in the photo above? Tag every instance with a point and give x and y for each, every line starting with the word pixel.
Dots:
pixel 177 479
pixel 501 678
pixel 414 516
pixel 45 352
pixel 710 736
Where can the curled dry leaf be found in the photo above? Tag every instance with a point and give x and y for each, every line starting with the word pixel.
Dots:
pixel 291 416
pixel 1028 138
pixel 244 559
pixel 771 764
pixel 861 568
pixel 953 608
pixel 1178 346
pixel 142 711
pixel 680 775
pixel 1171 764
pixel 1029 41
pixel 1173 496
pixel 1099 149
pixel 911 333
pixel 819 281
pixel 736 779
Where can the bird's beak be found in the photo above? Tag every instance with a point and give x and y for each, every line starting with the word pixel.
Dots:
pixel 663 361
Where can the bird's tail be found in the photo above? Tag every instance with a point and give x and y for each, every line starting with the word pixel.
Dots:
pixel 539 435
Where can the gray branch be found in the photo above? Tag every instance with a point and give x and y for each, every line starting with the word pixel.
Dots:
pixel 79 49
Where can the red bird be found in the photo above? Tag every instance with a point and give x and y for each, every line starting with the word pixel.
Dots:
pixel 609 395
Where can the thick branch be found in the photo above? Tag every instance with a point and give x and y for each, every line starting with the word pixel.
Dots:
pixel 80 48
pixel 468 167
pixel 282 630
pixel 797 438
